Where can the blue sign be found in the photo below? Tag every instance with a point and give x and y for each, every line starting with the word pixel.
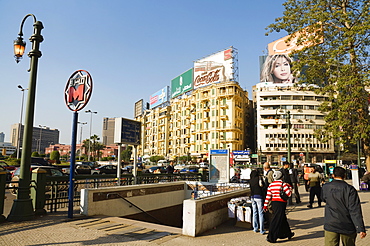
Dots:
pixel 241 152
pixel 283 158
pixel 219 151
pixel 159 97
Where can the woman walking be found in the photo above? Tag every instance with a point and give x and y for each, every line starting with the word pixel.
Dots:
pixel 279 227
pixel 256 186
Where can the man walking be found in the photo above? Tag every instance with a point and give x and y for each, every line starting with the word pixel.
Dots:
pixel 343 216
pixel 315 179
pixel 293 172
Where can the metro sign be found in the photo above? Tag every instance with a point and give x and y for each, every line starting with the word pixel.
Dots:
pixel 78 90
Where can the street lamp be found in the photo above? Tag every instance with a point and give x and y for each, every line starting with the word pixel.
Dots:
pixel 82 124
pixel 22 208
pixel 288 130
pixel 39 146
pixel 91 113
pixel 20 123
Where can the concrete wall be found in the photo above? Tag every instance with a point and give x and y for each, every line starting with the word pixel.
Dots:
pixel 204 214
pixel 107 200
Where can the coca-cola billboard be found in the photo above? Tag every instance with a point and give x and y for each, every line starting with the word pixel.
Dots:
pixel 215 68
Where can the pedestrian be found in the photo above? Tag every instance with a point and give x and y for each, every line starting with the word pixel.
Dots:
pixel 256 186
pixel 343 216
pixel 307 171
pixel 286 177
pixel 267 173
pixel 170 168
pixel 315 179
pixel 268 179
pixel 279 227
pixel 294 178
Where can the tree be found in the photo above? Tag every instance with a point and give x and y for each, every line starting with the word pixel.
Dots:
pixel 55 156
pixel 336 62
pixel 35 154
pixel 126 154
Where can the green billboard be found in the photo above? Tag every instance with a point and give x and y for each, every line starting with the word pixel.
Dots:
pixel 182 83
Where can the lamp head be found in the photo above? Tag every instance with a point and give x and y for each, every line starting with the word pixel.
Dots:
pixel 19 47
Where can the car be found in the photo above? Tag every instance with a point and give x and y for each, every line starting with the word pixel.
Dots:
pixel 39 161
pixel 83 169
pixel 156 169
pixel 106 169
pixel 190 169
pixel 8 169
pixel 50 171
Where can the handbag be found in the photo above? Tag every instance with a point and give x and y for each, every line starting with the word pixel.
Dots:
pixel 283 195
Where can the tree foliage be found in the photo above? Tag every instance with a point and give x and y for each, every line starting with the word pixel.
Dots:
pixel 126 154
pixel 337 62
pixel 55 156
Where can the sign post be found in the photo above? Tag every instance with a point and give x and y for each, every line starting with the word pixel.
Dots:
pixel 127 132
pixel 76 95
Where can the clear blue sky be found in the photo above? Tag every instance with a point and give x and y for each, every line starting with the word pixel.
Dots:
pixel 131 48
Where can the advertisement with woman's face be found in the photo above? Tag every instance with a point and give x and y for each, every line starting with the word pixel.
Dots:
pixel 277 69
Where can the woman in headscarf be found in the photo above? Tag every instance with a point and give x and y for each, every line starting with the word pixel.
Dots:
pixel 279 227
pixel 256 186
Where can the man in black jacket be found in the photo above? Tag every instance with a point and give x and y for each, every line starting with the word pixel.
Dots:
pixel 343 215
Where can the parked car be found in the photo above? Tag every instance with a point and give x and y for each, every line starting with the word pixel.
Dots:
pixel 190 169
pixel 106 169
pixel 83 169
pixel 50 171
pixel 156 169
pixel 39 161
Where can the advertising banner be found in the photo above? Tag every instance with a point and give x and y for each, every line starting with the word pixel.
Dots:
pixel 159 97
pixel 182 83
pixel 282 46
pixel 215 68
pixel 139 107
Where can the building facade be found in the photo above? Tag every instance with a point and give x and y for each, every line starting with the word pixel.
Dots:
pixel 210 117
pixel 42 137
pixel 273 104
pixel 108 131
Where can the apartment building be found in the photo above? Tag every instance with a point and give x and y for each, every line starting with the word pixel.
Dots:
pixel 273 104
pixel 210 117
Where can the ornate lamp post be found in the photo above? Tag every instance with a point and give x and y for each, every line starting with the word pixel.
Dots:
pixel 22 206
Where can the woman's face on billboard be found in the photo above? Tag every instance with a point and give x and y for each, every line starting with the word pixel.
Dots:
pixel 281 69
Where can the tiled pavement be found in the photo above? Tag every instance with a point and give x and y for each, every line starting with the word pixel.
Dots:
pixel 57 229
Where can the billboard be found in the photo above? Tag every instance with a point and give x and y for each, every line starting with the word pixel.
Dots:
pixel 159 97
pixel 182 83
pixel 127 131
pixel 139 107
pixel 277 69
pixel 282 46
pixel 215 68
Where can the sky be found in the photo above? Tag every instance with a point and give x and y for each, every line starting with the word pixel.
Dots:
pixel 132 49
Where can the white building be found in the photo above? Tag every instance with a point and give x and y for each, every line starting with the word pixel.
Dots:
pixel 272 103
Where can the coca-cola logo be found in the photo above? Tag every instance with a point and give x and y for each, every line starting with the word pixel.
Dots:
pixel 207 78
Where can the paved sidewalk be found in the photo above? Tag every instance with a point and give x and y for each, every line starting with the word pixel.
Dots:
pixel 57 229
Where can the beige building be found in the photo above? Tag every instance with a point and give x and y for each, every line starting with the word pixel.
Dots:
pixel 272 103
pixel 211 117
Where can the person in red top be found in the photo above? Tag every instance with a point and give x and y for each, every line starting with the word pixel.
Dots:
pixel 279 227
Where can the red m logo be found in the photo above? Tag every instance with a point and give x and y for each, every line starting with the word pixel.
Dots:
pixel 74 94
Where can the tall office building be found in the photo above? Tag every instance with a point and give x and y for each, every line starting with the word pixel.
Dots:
pixel 108 131
pixel 2 137
pixel 272 102
pixel 42 137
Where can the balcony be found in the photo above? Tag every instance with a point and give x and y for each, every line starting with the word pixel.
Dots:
pixel 224 117
pixel 224 106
